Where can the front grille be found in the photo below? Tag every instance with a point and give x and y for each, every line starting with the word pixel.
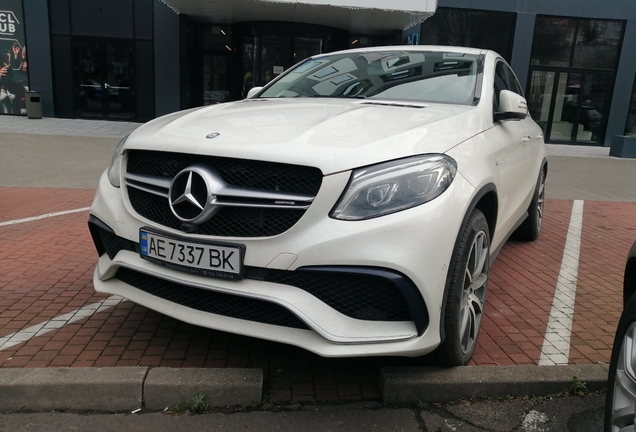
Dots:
pixel 229 221
pixel 267 176
pixel 360 296
pixel 213 302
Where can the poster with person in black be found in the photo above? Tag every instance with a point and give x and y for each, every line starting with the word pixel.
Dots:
pixel 14 78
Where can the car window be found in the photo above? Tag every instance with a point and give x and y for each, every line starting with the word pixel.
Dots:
pixel 419 76
pixel 505 79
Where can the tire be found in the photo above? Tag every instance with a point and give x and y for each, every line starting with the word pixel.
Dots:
pixel 620 405
pixel 466 294
pixel 530 229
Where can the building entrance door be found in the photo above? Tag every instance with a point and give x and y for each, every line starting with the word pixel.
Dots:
pixel 102 79
pixel 215 85
pixel 570 106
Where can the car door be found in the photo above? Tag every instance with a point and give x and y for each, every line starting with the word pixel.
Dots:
pixel 519 157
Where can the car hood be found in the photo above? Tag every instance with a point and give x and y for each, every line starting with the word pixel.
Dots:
pixel 331 134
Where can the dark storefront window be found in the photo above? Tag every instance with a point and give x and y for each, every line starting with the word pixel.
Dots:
pixel 471 28
pixel 217 51
pixel 572 76
pixel 578 43
pixel 267 49
pixel 630 127
pixel 103 59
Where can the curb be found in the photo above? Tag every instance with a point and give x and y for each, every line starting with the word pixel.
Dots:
pixel 129 388
pixel 430 384
pixel 124 388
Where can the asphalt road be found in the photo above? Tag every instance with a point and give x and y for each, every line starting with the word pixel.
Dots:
pixel 560 414
pixel 58 161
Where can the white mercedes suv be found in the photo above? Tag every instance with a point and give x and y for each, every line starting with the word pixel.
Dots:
pixel 353 206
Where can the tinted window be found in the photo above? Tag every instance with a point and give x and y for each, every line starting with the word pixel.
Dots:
pixel 505 79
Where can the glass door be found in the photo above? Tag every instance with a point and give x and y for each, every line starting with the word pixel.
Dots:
pixel 117 84
pixel 564 125
pixel 540 97
pixel 102 75
pixel 89 79
pixel 570 107
pixel 215 88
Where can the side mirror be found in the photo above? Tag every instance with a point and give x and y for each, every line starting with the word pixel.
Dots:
pixel 253 91
pixel 511 106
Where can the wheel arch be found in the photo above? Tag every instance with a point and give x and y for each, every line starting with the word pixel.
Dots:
pixel 487 202
pixel 629 280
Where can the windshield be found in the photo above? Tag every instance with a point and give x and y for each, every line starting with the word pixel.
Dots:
pixel 419 76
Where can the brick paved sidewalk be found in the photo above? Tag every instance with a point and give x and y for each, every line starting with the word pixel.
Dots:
pixel 46 271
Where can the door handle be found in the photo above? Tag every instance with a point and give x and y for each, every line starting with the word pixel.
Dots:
pixel 525 138
pixel 106 85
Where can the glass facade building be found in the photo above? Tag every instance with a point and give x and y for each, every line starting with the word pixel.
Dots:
pixel 135 60
pixel 573 62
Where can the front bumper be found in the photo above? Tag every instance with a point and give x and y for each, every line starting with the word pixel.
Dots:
pixel 407 253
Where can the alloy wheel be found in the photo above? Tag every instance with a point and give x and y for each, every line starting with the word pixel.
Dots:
pixel 474 292
pixel 540 200
pixel 624 400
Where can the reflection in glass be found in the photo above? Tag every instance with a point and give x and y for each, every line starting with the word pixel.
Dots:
pixel 214 79
pixel 597 44
pixel 306 47
pixel 574 42
pixel 275 57
pixel 117 84
pixel 593 97
pixel 103 77
pixel 565 107
pixel 553 41
pixel 249 64
pixel 471 28
pixel 540 97
pixel 630 127
pixel 89 75
pixel 419 76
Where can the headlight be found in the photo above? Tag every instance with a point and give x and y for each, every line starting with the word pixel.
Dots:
pixel 390 187
pixel 115 163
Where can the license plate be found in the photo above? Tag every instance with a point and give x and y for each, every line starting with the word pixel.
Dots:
pixel 210 259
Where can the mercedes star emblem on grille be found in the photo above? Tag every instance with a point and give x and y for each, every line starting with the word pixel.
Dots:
pixel 192 195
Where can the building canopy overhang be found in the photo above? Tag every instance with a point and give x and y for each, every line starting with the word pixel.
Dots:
pixel 355 16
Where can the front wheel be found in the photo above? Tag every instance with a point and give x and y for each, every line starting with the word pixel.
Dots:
pixel 620 405
pixel 466 293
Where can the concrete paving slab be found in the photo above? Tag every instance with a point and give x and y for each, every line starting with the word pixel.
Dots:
pixel 400 385
pixel 166 387
pixel 107 389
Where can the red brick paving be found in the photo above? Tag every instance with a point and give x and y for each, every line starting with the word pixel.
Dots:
pixel 610 230
pixel 46 270
pixel 520 292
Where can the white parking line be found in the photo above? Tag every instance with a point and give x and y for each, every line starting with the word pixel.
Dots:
pixel 44 216
pixel 556 343
pixel 58 322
